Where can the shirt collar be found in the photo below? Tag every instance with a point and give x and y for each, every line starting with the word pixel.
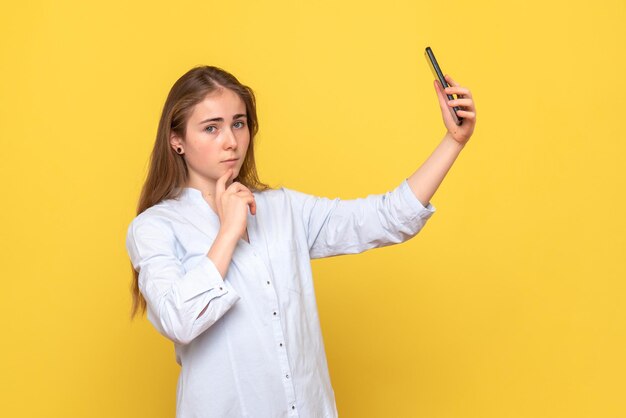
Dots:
pixel 189 193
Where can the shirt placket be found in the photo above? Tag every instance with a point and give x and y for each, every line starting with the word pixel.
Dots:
pixel 278 334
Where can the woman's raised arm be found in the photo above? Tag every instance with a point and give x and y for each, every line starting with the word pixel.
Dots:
pixel 425 181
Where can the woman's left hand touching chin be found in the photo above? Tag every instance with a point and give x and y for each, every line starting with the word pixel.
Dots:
pixel 460 133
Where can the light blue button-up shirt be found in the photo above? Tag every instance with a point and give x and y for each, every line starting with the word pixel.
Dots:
pixel 257 351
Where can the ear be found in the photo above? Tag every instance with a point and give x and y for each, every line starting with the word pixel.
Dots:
pixel 175 141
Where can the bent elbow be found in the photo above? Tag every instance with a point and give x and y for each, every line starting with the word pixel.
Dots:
pixel 182 323
pixel 175 325
pixel 178 326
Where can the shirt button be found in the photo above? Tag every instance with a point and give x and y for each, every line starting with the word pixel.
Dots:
pixel 274 312
pixel 281 344
pixel 287 376
pixel 293 407
pixel 221 288
pixel 268 282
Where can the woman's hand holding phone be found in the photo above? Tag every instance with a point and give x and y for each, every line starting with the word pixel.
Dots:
pixel 459 114
pixel 467 110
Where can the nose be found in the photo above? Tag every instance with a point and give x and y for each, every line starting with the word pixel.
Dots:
pixel 230 141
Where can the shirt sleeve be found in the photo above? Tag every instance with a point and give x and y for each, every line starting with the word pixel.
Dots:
pixel 175 297
pixel 335 226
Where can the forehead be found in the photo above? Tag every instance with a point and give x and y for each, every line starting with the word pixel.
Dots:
pixel 222 103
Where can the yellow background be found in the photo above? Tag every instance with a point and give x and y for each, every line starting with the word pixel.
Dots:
pixel 510 302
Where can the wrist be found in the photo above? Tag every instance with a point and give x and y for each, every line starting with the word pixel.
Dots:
pixel 453 143
pixel 227 236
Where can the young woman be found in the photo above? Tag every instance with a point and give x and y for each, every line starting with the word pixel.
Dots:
pixel 222 262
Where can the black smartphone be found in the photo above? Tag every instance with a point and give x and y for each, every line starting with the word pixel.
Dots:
pixel 432 61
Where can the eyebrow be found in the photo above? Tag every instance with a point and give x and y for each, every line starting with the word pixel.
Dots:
pixel 237 116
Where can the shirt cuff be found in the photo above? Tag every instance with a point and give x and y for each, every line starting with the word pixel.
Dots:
pixel 416 207
pixel 204 277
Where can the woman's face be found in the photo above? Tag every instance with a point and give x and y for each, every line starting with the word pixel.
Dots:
pixel 217 131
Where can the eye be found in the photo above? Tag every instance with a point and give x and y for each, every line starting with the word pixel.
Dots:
pixel 208 128
pixel 242 124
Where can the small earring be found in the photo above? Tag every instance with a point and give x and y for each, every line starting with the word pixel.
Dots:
pixel 179 150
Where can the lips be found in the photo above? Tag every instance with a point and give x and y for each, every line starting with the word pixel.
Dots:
pixel 232 159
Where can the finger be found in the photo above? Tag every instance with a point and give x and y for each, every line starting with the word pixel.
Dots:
pixel 460 102
pixel 243 193
pixel 465 114
pixel 440 94
pixel 253 206
pixel 459 91
pixel 443 104
pixel 220 185
pixel 450 80
pixel 251 202
pixel 241 186
pixel 236 187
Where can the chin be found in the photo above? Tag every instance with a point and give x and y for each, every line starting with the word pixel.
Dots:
pixel 235 174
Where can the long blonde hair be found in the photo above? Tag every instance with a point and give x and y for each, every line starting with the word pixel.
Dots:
pixel 168 171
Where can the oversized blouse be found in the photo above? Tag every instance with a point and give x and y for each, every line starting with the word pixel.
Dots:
pixel 257 350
